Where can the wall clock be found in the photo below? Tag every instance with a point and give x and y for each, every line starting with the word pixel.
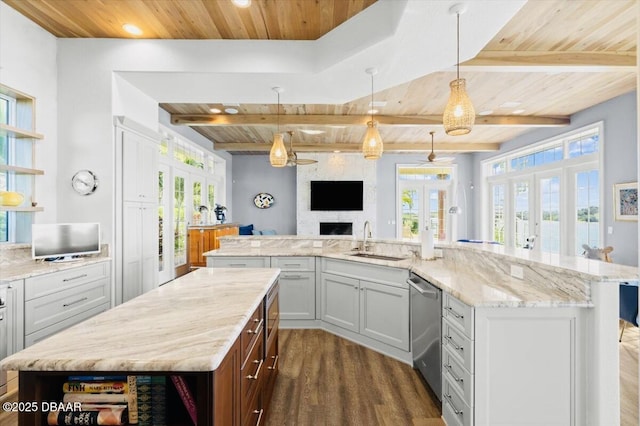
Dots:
pixel 84 182
pixel 263 200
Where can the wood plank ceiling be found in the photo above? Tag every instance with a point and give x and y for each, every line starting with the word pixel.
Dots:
pixel 554 58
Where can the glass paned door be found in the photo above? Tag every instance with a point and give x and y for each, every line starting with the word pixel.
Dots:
pixel 421 204
pixel 410 214
pixel 587 211
pixel 549 230
pixel 521 213
pixel 498 213
pixel 165 270
pixel 179 220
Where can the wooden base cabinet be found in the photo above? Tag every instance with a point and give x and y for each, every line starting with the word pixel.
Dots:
pixel 204 239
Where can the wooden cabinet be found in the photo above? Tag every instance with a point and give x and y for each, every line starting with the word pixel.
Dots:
pixel 272 314
pixel 370 300
pixel 59 300
pixel 204 239
pixel 297 287
pixel 226 389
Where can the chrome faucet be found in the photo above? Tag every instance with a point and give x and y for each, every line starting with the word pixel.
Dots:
pixel 366 235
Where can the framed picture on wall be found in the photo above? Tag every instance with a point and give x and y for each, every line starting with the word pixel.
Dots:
pixel 625 201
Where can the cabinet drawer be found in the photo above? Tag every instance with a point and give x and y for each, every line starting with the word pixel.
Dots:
pixel 239 262
pixel 454 410
pixel 251 332
pixel 381 274
pixel 271 372
pixel 252 377
pixel 457 375
pixel 43 285
pixel 43 333
pixel 458 344
pixel 459 314
pixel 48 310
pixel 254 413
pixel 294 263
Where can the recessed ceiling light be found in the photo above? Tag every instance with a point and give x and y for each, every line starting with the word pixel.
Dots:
pixel 215 110
pixel 312 132
pixel 510 104
pixel 132 29
pixel 241 3
pixel 486 112
pixel 372 111
pixel 518 111
pixel 231 110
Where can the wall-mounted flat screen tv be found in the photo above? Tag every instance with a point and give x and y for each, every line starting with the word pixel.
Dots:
pixel 64 241
pixel 336 195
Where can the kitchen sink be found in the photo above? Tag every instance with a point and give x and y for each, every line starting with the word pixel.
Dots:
pixel 376 256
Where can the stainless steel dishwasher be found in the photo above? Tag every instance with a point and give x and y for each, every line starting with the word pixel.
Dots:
pixel 426 331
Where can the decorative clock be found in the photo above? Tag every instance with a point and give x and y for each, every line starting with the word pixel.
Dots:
pixel 84 182
pixel 263 200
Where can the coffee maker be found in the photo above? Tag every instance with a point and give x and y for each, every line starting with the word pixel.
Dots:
pixel 220 213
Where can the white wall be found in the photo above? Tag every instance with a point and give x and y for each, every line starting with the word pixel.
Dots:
pixel 28 64
pixel 336 166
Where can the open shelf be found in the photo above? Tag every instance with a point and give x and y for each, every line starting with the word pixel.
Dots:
pixel 19 133
pixel 20 170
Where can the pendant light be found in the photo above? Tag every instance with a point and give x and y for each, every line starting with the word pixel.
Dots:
pixel 278 153
pixel 372 145
pixel 459 115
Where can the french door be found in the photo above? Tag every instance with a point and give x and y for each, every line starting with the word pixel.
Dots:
pixel 422 204
pixel 165 234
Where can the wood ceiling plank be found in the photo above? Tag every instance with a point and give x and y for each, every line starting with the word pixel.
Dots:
pixel 553 61
pixel 350 147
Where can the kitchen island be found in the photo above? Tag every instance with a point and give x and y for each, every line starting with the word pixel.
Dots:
pixel 520 330
pixel 203 327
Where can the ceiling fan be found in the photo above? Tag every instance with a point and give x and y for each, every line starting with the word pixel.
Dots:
pixel 292 157
pixel 432 156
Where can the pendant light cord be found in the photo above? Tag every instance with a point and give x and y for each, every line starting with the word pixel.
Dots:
pixel 278 115
pixel 372 99
pixel 458 44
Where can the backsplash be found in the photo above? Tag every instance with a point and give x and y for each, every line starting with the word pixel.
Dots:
pixel 15 254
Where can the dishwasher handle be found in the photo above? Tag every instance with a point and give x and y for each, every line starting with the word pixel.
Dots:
pixel 432 294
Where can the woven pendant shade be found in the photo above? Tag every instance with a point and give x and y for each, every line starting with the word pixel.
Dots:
pixel 372 145
pixel 459 115
pixel 278 153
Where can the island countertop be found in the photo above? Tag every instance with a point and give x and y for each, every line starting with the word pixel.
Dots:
pixel 188 324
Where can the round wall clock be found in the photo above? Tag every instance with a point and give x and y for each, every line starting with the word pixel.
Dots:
pixel 263 200
pixel 84 182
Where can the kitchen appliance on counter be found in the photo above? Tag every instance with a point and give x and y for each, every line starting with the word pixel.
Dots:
pixel 426 331
pixel 221 216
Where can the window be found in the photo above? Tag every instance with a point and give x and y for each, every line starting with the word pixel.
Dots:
pixel 5 107
pixel 549 191
pixel 180 223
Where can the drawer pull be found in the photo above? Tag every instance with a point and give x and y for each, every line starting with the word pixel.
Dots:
pixel 74 278
pixel 258 327
pixel 450 370
pixel 259 413
pixel 292 277
pixel 453 407
pixel 453 343
pixel 238 264
pixel 255 376
pixel 73 303
pixel 454 313
pixel 297 265
pixel 275 362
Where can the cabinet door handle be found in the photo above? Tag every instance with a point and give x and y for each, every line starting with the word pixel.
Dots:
pixel 292 277
pixel 453 407
pixel 238 264
pixel 450 370
pixel 453 343
pixel 73 303
pixel 257 330
pixel 275 362
pixel 74 278
pixel 259 413
pixel 454 313
pixel 255 376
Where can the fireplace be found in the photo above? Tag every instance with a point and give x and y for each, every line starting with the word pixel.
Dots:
pixel 336 228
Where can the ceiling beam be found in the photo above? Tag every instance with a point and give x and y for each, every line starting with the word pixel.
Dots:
pixel 351 147
pixel 552 62
pixel 359 120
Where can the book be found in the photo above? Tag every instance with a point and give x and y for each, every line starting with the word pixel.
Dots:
pixel 96 398
pixel 158 400
pixel 187 397
pixel 95 387
pixel 143 385
pixel 97 378
pixel 102 416
pixel 133 399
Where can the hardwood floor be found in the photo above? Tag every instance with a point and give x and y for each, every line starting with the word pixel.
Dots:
pixel 327 380
pixel 629 377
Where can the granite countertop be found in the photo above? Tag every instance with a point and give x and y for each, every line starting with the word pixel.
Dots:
pixel 188 324
pixel 213 225
pixel 477 285
pixel 32 268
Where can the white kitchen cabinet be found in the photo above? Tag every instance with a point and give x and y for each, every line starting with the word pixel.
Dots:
pixel 340 301
pixel 139 168
pixel 297 287
pixel 238 262
pixel 384 313
pixel 139 249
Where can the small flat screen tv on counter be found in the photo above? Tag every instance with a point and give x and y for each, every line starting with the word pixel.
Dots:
pixel 336 195
pixel 64 241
